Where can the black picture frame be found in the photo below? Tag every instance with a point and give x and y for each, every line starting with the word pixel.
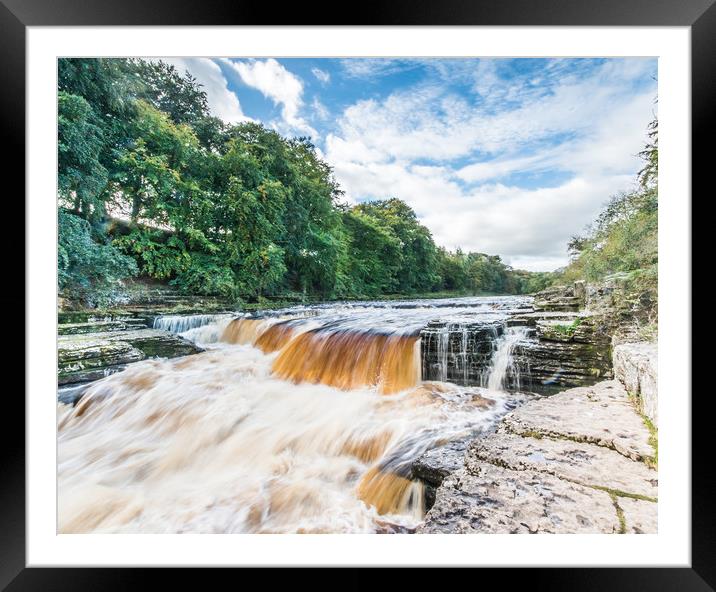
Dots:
pixel 16 15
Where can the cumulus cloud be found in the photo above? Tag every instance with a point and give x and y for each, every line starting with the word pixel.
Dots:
pixel 449 157
pixel 278 84
pixel 493 156
pixel 223 103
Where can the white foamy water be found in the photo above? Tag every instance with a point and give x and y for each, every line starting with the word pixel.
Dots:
pixel 183 323
pixel 218 443
pixel 502 360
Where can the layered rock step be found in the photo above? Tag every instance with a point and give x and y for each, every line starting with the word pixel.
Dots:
pixel 581 461
pixel 556 350
pixel 458 352
pixel 83 357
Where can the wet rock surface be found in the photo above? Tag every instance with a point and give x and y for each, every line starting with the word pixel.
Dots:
pixel 558 351
pixel 438 463
pixel 575 462
pixel 459 353
pixel 103 326
pixel 567 352
pixel 84 357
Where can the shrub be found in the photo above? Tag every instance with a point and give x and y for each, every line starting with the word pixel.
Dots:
pixel 89 271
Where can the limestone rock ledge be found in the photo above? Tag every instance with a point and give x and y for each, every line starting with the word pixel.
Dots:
pixel 636 367
pixel 84 357
pixel 575 462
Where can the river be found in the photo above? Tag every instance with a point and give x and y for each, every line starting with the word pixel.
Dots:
pixel 306 420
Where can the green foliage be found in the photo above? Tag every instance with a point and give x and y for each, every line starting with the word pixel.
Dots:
pixel 159 255
pixel 232 210
pixel 180 97
pixel 207 275
pixel 476 273
pixel 567 330
pixel 81 176
pixel 88 271
pixel 372 259
pixel 622 247
pixel 416 257
pixel 624 238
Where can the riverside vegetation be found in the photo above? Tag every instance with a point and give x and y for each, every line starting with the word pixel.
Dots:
pixel 151 184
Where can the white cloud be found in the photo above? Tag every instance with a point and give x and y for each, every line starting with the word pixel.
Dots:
pixel 321 75
pixel 450 154
pixel 320 111
pixel 445 156
pixel 373 68
pixel 223 103
pixel 529 228
pixel 278 84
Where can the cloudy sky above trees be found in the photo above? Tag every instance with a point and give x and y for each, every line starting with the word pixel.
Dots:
pixel 501 156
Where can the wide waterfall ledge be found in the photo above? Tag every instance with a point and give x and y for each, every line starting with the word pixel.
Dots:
pixel 307 419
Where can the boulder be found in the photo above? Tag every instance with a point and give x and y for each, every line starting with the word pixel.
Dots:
pixel 636 367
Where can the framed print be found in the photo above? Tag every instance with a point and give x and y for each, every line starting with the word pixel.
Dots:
pixel 397 293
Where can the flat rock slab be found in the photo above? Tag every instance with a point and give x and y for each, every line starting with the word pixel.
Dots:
pixel 600 414
pixel 586 464
pixel 89 356
pixel 490 499
pixel 569 463
pixel 640 517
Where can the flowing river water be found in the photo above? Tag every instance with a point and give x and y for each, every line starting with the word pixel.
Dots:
pixel 302 420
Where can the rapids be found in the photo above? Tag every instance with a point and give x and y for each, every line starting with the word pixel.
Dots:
pixel 301 420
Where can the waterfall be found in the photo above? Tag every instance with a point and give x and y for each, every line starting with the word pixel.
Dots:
pixel 503 364
pixel 443 338
pixel 182 323
pixel 217 443
pixel 351 359
pixel 298 421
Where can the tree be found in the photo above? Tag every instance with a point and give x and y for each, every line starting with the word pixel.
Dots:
pixel 235 210
pixel 88 271
pixel 182 98
pixel 81 176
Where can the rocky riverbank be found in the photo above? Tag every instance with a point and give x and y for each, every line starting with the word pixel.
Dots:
pixel 580 461
pixel 92 350
pixel 563 343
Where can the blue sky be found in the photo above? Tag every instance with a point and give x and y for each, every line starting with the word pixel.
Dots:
pixel 503 156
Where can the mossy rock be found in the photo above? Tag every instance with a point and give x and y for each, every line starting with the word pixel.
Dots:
pixel 89 356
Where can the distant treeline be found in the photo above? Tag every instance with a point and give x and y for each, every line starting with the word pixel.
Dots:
pixel 151 184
